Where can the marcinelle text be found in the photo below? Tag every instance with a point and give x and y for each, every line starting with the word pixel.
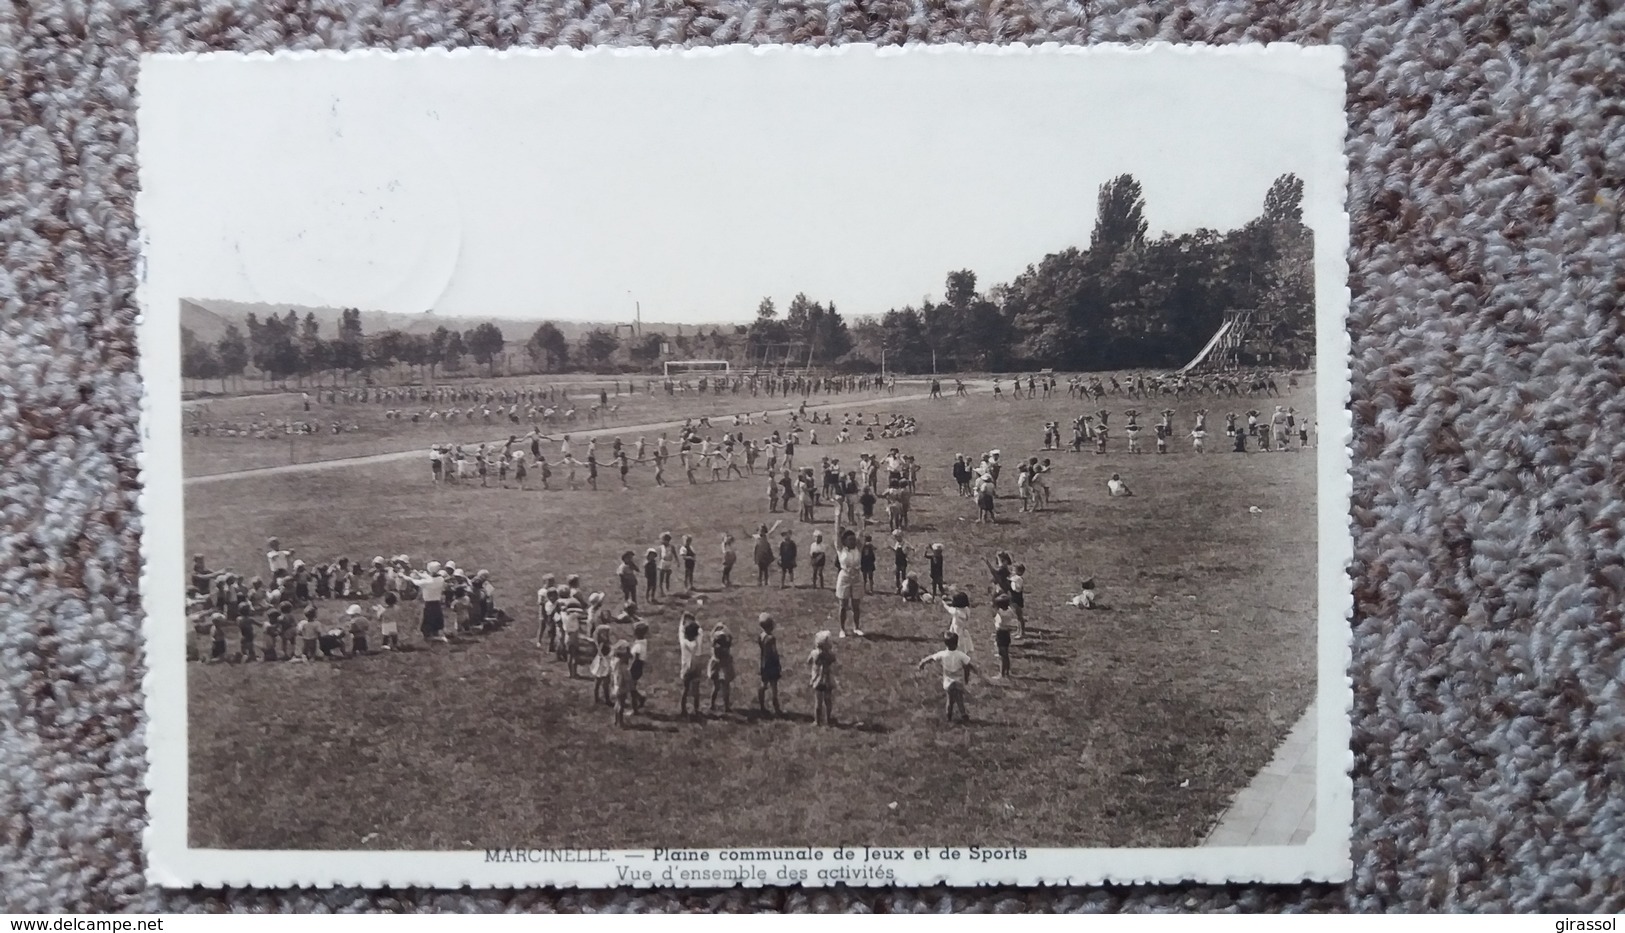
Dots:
pixel 546 855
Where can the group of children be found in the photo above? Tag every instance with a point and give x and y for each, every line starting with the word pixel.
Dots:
pixel 1179 385
pixel 286 619
pixel 573 623
pixel 1277 432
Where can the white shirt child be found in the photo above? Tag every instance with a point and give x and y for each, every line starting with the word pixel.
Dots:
pixel 953 663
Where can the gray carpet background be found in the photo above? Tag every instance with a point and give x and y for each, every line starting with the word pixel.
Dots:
pixel 1487 157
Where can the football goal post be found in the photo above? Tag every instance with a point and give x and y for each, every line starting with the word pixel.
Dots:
pixel 684 367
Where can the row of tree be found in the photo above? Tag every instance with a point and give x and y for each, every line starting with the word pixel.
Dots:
pixel 1125 301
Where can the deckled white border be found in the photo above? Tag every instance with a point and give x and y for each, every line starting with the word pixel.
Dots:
pixel 1325 857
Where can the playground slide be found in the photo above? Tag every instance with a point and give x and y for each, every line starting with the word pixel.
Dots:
pixel 1218 336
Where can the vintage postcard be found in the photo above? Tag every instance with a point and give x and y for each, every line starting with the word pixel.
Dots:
pixel 746 466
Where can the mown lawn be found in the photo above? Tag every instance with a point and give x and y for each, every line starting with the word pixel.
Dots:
pixel 365 430
pixel 1127 726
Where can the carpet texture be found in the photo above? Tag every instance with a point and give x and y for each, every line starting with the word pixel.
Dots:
pixel 1487 147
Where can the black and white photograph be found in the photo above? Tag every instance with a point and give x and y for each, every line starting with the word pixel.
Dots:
pixel 750 466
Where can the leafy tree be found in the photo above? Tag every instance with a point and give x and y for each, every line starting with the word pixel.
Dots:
pixel 383 349
pixel 484 343
pixel 767 330
pixel 198 360
pixel 313 353
pixel 231 353
pixel 597 346
pixel 960 289
pixel 1120 217
pixel 452 357
pixel 645 350
pixel 349 351
pixel 438 342
pixel 1284 201
pixel 549 350
pixel 414 349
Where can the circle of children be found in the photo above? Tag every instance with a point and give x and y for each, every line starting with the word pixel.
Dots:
pixel 285 620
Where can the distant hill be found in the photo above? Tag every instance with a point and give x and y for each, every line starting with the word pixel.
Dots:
pixel 207 325
pixel 208 317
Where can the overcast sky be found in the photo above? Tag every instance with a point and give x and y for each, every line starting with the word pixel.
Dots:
pixel 569 186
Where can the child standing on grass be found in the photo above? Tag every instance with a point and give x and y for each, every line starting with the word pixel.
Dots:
pixel 217 637
pixel 388 625
pixel 668 562
pixel 309 630
pixel 273 623
pixel 651 576
pixel 1001 633
pixel 601 664
pixel 787 560
pixel 958 607
pixel 935 560
pixel 595 614
pixel 688 663
pixel 1018 598
pixel 770 668
pixel 866 564
pixel 984 501
pixel 544 617
pixel 689 557
pixel 360 637
pixel 729 557
pixel 627 573
pixel 247 629
pixel 816 557
pixel 570 465
pixel 640 662
pixel 899 553
pixel 620 678
pixel 570 635
pixel 821 663
pixel 287 630
pixel 720 669
pixel 956 670
pixel 762 553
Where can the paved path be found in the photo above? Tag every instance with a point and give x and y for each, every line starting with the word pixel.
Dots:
pixel 1278 807
pixel 584 432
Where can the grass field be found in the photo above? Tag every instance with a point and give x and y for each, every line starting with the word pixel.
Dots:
pixel 373 434
pixel 1127 726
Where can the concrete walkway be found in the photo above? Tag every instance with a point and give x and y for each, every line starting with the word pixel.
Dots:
pixel 1278 807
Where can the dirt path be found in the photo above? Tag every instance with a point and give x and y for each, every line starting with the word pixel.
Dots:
pixel 606 431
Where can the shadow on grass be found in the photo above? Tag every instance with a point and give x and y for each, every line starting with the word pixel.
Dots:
pixel 757 716
pixel 1046 658
pixel 882 636
pixel 635 725
pixel 1016 680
